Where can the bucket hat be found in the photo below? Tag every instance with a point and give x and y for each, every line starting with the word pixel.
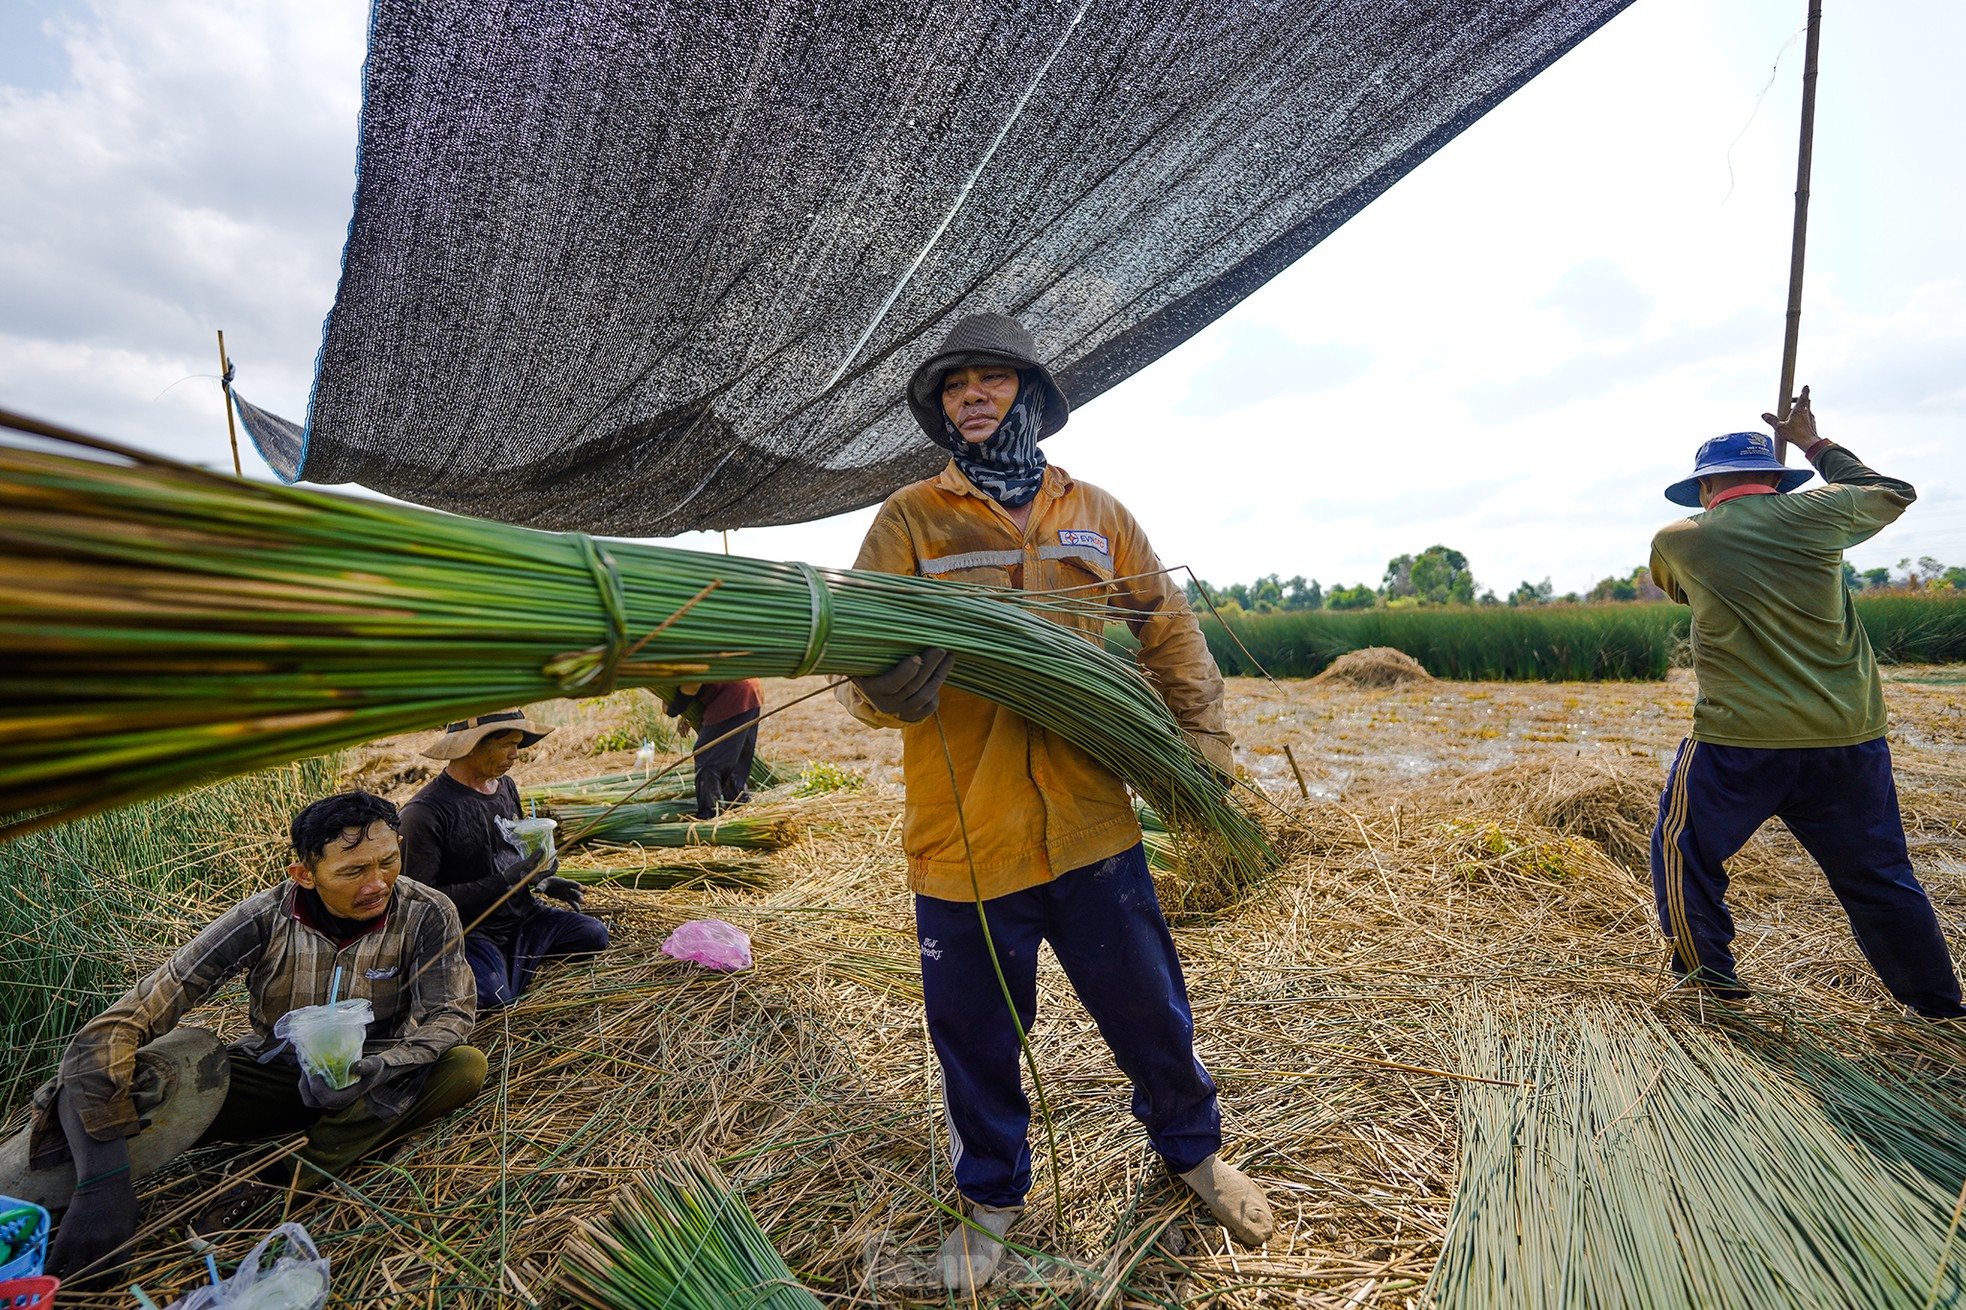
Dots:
pixel 983 339
pixel 462 737
pixel 177 1087
pixel 1736 452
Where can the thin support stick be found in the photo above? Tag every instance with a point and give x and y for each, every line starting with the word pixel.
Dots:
pixel 1804 154
pixel 1288 755
pixel 1003 985
pixel 225 384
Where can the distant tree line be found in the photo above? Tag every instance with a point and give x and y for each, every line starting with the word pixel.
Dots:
pixel 1439 575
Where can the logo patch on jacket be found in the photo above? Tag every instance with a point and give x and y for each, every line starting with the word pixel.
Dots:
pixel 1083 537
pixel 376 975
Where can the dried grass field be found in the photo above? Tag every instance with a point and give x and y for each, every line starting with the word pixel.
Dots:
pixel 1460 845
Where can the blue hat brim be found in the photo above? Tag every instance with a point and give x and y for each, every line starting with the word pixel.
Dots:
pixel 1687 490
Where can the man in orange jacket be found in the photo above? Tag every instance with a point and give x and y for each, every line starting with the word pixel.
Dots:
pixel 1030 826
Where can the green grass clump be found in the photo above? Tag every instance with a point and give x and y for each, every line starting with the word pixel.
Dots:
pixel 819 777
pixel 1553 643
pixel 681 1238
pixel 89 907
pixel 644 722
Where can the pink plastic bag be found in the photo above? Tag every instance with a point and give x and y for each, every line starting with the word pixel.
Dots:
pixel 711 943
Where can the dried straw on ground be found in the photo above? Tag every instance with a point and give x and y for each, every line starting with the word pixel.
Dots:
pixel 1611 802
pixel 1375 666
pixel 1325 1005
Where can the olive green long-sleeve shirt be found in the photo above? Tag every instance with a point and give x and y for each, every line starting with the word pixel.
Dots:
pixel 1781 657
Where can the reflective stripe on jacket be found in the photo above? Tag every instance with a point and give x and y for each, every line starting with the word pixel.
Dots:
pixel 1036 806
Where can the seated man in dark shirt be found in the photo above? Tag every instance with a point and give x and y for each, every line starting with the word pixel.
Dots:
pixel 452 842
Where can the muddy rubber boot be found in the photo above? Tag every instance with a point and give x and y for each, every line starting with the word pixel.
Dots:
pixel 1234 1199
pixel 970 1258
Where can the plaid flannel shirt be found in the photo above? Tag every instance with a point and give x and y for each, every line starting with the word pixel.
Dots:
pixel 419 1013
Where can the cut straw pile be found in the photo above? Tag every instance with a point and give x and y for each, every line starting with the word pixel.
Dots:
pixel 1375 666
pixel 160 625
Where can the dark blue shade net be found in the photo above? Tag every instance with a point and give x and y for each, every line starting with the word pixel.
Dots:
pixel 641 267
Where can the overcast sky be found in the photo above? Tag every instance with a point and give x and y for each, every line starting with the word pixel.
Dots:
pixel 1511 352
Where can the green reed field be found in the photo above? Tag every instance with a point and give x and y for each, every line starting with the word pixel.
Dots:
pixel 1555 643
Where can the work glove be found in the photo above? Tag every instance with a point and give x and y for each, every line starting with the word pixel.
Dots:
pixel 532 871
pixel 910 690
pixel 562 889
pixel 103 1215
pixel 314 1089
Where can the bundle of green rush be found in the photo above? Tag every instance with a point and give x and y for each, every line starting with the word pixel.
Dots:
pixel 650 786
pixel 681 1239
pixel 619 866
pixel 1163 852
pixel 575 811
pixel 162 625
pixel 1636 1165
pixel 672 823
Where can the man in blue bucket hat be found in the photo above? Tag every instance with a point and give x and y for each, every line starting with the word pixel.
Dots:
pixel 1790 720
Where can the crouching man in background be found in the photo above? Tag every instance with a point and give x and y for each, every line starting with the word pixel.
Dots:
pixel 724 716
pixel 135 1089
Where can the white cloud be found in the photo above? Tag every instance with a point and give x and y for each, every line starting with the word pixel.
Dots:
pixel 193 170
pixel 1599 300
pixel 1259 363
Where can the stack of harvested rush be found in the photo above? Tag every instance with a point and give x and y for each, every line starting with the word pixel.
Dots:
pixel 680 1237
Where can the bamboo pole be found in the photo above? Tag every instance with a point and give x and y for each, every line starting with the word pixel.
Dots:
pixel 225 384
pixel 1804 156
pixel 1301 788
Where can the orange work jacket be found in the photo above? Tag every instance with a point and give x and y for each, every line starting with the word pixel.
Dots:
pixel 1036 805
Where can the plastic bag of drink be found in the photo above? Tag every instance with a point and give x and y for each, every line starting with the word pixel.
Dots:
pixel 328 1039
pixel 530 836
pixel 297 1278
pixel 711 943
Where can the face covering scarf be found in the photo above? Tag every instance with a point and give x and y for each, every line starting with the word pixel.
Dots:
pixel 1006 466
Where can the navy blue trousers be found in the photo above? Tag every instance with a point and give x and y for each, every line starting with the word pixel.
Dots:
pixel 504 973
pixel 1105 926
pixel 1842 805
pixel 723 768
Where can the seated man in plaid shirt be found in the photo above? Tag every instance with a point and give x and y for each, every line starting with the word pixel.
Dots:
pixel 135 1089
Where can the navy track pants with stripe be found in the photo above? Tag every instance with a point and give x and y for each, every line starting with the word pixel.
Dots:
pixel 1842 805
pixel 1105 926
